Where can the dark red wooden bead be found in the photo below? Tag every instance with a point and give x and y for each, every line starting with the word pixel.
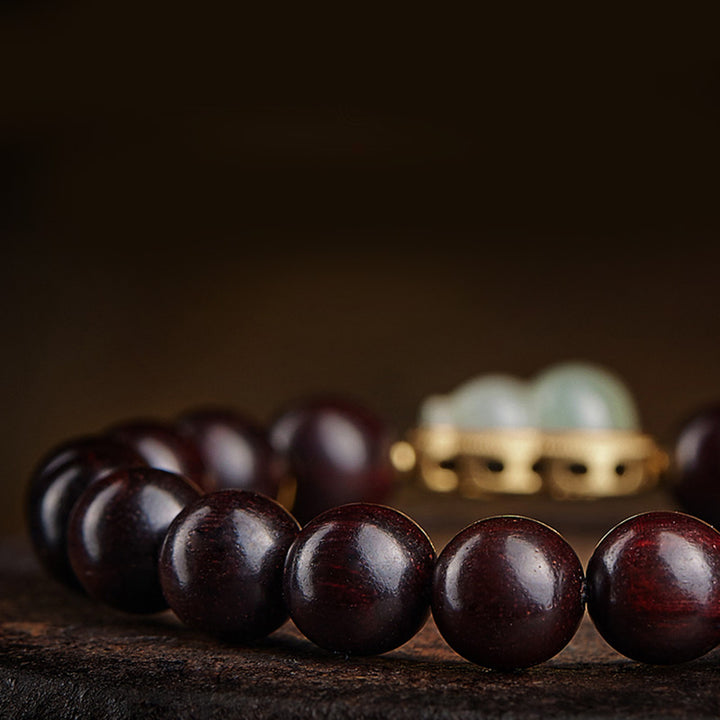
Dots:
pixel 162 447
pixel 696 480
pixel 235 451
pixel 56 484
pixel 653 590
pixel 508 593
pixel 337 451
pixel 358 579
pixel 221 565
pixel 116 531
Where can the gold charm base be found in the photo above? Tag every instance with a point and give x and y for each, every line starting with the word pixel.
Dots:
pixel 572 464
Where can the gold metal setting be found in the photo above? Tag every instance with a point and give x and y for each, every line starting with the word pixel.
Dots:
pixel 572 464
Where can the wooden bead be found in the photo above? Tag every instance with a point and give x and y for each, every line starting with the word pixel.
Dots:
pixel 115 533
pixel 221 565
pixel 508 593
pixel 235 451
pixel 696 480
pixel 653 590
pixel 58 481
pixel 358 579
pixel 161 446
pixel 337 451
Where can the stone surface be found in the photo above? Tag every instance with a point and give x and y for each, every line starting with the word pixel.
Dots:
pixel 436 410
pixel 492 401
pixel 576 396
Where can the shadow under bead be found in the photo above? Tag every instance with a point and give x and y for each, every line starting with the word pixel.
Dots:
pixel 221 564
pixel 116 531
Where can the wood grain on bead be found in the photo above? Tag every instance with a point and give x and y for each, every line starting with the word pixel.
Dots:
pixel 358 579
pixel 508 593
pixel 337 451
pixel 116 531
pixel 162 447
pixel 235 451
pixel 221 564
pixel 54 488
pixel 653 590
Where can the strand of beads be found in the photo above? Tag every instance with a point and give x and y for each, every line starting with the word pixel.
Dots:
pixel 506 592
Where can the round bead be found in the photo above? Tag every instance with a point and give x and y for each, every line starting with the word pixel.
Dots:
pixel 162 447
pixel 436 410
pixel 337 451
pixel 221 565
pixel 508 593
pixel 492 401
pixel 115 533
pixel 57 483
pixel 696 483
pixel 653 590
pixel 580 396
pixel 358 579
pixel 235 451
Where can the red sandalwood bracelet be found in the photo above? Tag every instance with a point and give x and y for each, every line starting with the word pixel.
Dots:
pixel 506 592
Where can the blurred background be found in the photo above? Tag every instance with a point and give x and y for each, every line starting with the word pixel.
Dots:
pixel 225 206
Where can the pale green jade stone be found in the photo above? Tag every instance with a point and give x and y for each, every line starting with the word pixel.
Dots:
pixel 436 410
pixel 492 401
pixel 580 396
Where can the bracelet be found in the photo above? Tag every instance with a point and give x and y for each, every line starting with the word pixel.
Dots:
pixel 506 592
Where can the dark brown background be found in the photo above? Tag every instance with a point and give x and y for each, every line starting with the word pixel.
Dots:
pixel 221 206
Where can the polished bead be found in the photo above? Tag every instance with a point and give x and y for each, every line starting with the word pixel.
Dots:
pixel 337 451
pixel 696 479
pixel 56 484
pixel 162 447
pixel 580 396
pixel 115 533
pixel 508 593
pixel 358 579
pixel 436 410
pixel 653 590
pixel 221 565
pixel 492 401
pixel 235 450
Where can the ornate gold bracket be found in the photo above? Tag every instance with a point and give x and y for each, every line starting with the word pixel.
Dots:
pixel 566 465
